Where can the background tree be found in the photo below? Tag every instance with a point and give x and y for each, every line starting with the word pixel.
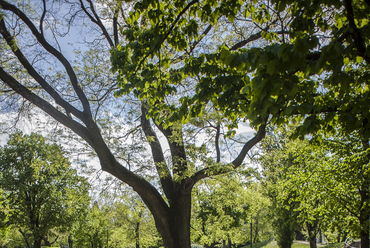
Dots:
pixel 288 174
pixel 220 212
pixel 40 189
pixel 132 224
pixel 321 181
pixel 76 90
pixel 346 174
pixel 93 230
pixel 224 208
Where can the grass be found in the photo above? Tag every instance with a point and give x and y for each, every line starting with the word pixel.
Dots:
pixel 295 245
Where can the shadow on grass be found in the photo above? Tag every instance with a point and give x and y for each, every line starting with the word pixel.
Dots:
pixel 273 244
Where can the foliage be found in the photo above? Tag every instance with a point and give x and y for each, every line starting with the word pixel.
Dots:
pixel 40 189
pixel 347 182
pixel 311 60
pixel 93 230
pixel 161 163
pixel 223 209
pixel 131 223
pixel 325 180
pixel 11 238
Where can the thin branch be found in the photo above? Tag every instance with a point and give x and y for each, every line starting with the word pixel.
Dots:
pixel 50 49
pixel 216 170
pixel 193 46
pixel 96 19
pixel 58 99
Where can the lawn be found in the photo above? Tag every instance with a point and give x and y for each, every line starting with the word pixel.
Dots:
pixel 295 245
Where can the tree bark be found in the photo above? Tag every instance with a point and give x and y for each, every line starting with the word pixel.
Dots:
pixel 177 233
pixel 311 228
pixel 37 244
pixel 364 235
pixel 364 223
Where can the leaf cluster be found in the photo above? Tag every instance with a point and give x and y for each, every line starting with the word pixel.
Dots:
pixel 316 68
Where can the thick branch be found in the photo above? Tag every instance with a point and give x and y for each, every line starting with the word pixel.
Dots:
pixel 356 34
pixel 43 17
pixel 40 38
pixel 44 105
pixel 148 193
pixel 157 153
pixel 215 170
pixel 217 144
pixel 115 25
pixel 259 136
pixel 175 142
pixel 251 38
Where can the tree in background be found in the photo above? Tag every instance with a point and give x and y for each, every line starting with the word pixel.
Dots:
pixel 40 189
pixel 92 230
pixel 288 174
pixel 347 183
pixel 223 208
pixel 131 223
pixel 323 183
pixel 220 212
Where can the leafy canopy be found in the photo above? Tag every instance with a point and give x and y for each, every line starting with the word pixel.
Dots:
pixel 307 59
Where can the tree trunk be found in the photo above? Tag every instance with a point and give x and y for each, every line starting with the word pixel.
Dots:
pixel 256 231
pixel 137 234
pixel 313 243
pixel 312 234
pixel 176 234
pixel 364 233
pixel 37 244
pixel 364 216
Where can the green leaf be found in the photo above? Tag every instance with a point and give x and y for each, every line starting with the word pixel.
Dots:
pixel 271 67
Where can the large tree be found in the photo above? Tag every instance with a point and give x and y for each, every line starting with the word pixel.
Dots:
pixel 40 189
pixel 76 90
pixel 264 61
